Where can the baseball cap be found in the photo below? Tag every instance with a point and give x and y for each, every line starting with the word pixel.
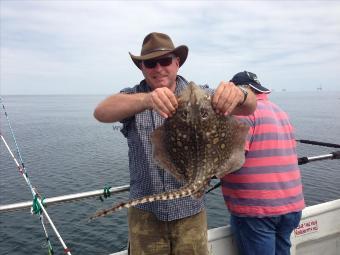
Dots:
pixel 249 78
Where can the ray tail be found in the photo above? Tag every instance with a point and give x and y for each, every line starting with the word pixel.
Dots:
pixel 185 191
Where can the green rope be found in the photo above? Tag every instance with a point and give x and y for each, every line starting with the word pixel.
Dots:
pixel 36 208
pixel 107 192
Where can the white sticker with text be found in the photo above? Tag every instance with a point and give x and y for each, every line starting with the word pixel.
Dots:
pixel 306 227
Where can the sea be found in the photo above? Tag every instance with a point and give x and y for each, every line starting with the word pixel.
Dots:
pixel 65 151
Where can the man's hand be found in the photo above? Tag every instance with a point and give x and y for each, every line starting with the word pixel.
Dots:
pixel 227 96
pixel 163 101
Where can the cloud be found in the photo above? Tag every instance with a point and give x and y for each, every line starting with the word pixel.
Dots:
pixel 73 47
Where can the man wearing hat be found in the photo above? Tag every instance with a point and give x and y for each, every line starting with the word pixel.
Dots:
pixel 265 196
pixel 174 226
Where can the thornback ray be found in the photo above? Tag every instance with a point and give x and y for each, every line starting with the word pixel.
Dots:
pixel 194 145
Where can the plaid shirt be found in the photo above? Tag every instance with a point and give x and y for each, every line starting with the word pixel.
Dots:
pixel 146 178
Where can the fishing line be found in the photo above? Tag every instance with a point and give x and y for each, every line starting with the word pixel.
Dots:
pixel 35 195
pixel 21 168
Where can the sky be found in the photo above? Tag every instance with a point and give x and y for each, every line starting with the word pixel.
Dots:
pixel 81 47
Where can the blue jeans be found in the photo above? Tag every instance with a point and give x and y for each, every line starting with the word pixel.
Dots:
pixel 264 236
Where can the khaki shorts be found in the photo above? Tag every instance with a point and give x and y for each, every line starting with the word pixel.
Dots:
pixel 148 235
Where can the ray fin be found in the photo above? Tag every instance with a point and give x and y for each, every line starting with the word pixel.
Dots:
pixel 161 155
pixel 237 156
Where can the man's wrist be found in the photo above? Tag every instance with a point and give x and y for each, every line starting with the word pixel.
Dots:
pixel 146 100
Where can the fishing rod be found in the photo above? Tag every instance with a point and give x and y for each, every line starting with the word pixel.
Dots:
pixel 331 145
pixel 332 155
pixel 38 206
pixel 301 161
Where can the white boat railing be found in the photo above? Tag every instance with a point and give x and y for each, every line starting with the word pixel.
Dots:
pixel 64 198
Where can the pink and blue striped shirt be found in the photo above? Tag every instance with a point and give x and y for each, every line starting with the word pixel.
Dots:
pixel 269 183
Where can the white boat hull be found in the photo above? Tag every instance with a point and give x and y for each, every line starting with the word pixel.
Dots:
pixel 318 233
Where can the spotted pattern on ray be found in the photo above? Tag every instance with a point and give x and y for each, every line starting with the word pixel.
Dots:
pixel 194 145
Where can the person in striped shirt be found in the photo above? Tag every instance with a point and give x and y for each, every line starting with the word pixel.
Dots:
pixel 265 196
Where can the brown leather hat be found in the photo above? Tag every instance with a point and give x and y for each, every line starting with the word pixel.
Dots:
pixel 156 45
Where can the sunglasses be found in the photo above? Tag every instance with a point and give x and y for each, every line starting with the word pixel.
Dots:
pixel 162 61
